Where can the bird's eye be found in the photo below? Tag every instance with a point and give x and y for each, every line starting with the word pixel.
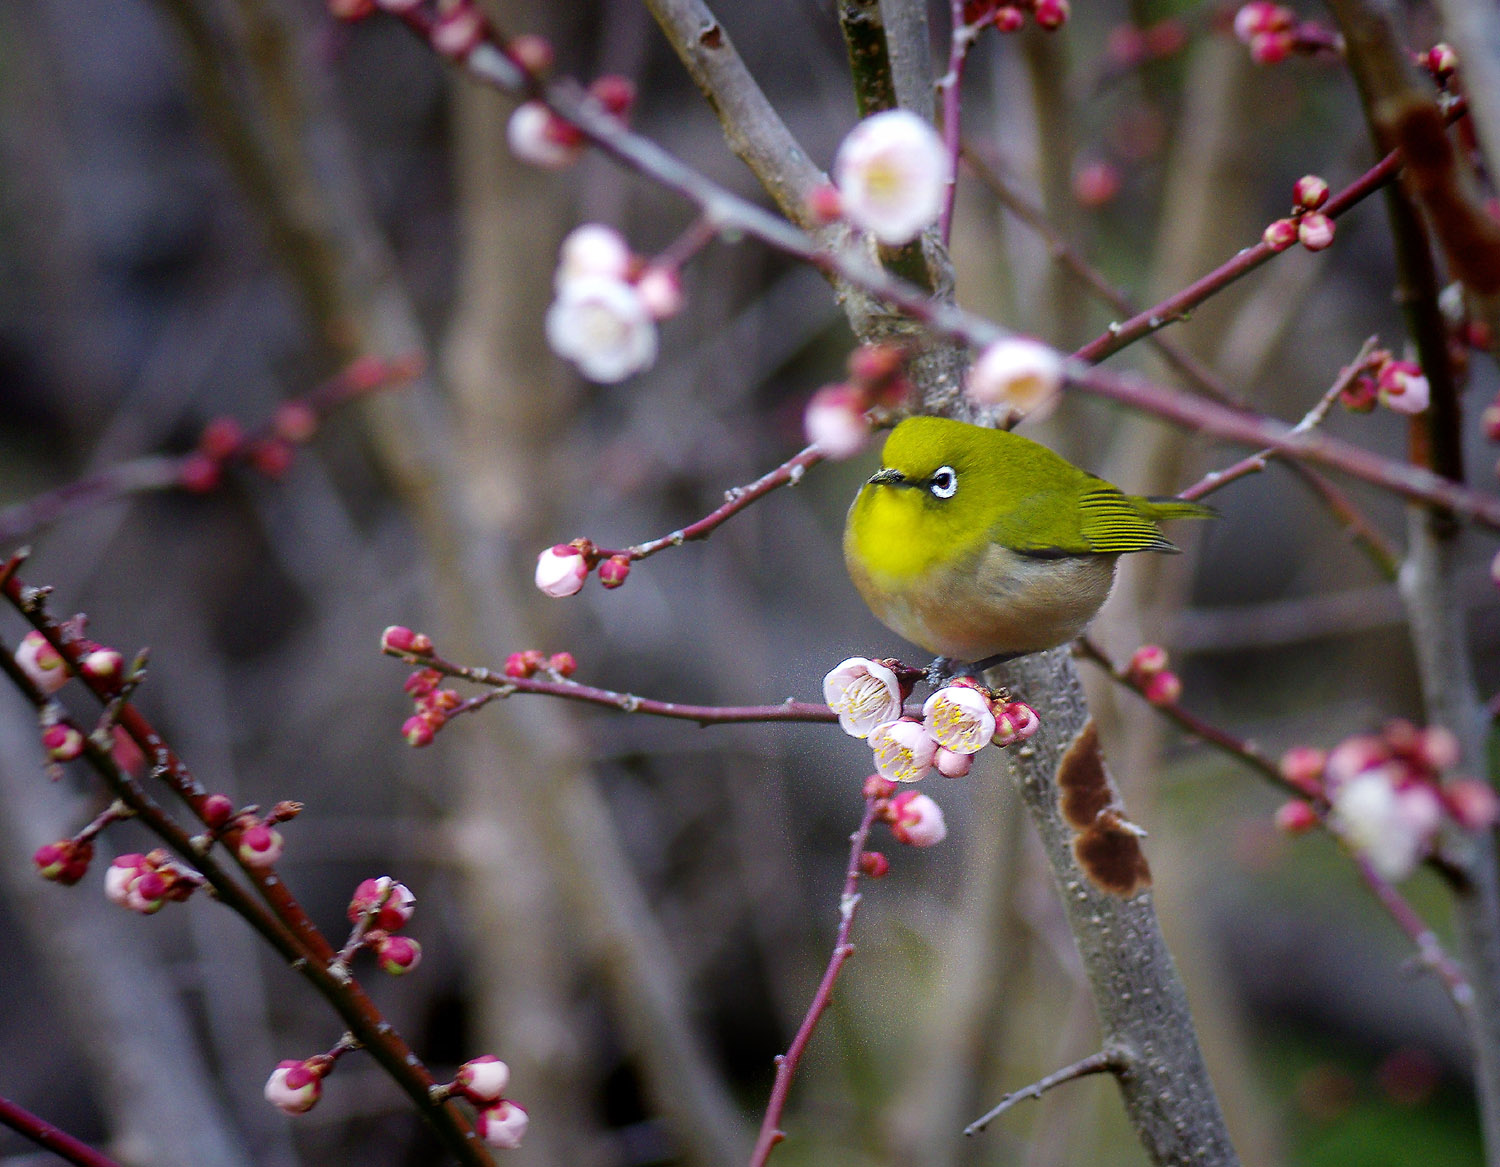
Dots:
pixel 943 482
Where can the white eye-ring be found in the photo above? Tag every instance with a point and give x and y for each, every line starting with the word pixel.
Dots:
pixel 944 482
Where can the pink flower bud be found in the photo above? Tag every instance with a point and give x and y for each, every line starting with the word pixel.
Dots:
pixel 64 862
pixel 614 571
pixel 959 717
pixel 260 846
pixel 533 53
pixel 661 291
pixel 394 913
pixel 1162 689
pixel 904 750
pixel 864 693
pixel 877 787
pixel 294 1087
pixel 1360 396
pixel 482 1079
pixel 422 682
pixel 1022 375
pixel 418 731
pixel 873 865
pixel 1271 48
pixel 502 1125
pixel 1490 421
pixel 104 665
pixel 62 742
pixel 615 93
pixel 872 367
pixel 1315 230
pixel 397 955
pixel 1472 803
pixel 272 457
pixel 1009 18
pixel 1296 817
pixel 1096 184
pixel 562 663
pixel 1051 14
pixel 1402 387
pixel 1441 61
pixel 835 421
pixel 518 665
pixel 198 473
pixel 1015 723
pixel 1280 235
pixel 592 249
pixel 221 438
pixel 916 820
pixel 1146 661
pixel 1302 766
pixel 42 664
pixel 397 638
pixel 952 765
pixel 1437 748
pixel 1310 192
pixel 538 136
pixel 824 204
pixel 458 31
pixel 1260 17
pixel 561 570
pixel 295 421
pixel 215 810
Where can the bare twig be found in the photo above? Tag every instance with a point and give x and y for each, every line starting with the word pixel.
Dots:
pixel 1095 1063
pixel 787 1063
pixel 51 1138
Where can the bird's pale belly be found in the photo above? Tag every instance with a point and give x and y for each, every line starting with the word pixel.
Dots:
pixel 1000 603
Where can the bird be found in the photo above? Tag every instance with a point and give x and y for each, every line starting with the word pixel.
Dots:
pixel 980 545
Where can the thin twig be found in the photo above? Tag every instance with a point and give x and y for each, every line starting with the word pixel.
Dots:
pixel 951 85
pixel 1218 479
pixel 789 473
pixel 505 686
pixel 787 1063
pixel 1429 951
pixel 1095 1063
pixel 51 1138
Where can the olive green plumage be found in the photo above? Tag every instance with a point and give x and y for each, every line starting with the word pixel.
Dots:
pixel 974 543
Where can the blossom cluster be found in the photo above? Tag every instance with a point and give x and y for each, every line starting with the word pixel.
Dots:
pixel 1398 385
pixel 542 138
pixel 1272 32
pixel 1307 224
pixel 607 305
pixel 1010 16
pixel 957 721
pixel 1149 673
pixel 837 417
pixel 145 883
pixel 45 667
pixel 379 909
pixel 1386 795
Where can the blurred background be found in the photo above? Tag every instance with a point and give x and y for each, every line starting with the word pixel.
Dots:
pixel 209 206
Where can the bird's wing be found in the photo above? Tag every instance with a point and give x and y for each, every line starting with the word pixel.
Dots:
pixel 1110 522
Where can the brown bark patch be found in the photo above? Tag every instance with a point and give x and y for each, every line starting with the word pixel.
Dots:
pixel 1470 238
pixel 1110 852
pixel 1083 786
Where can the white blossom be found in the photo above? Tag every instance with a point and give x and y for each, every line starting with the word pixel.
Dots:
pixel 893 173
pixel 603 326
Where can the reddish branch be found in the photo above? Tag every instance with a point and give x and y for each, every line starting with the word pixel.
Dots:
pixel 50 1138
pixel 505 686
pixel 789 473
pixel 285 926
pixel 787 1063
pixel 163 472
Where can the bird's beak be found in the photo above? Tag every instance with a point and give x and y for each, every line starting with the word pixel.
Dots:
pixel 887 477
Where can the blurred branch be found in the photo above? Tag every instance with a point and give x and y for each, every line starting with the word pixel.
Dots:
pixel 1473 28
pixel 51 1138
pixel 863 27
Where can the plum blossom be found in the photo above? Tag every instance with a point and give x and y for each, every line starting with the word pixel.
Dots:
pixel 603 326
pixel 917 820
pixel 960 718
pixel 892 173
pixel 1023 375
pixel 904 750
pixel 502 1125
pixel 864 693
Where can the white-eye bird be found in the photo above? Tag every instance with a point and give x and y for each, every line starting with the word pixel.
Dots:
pixel 976 543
